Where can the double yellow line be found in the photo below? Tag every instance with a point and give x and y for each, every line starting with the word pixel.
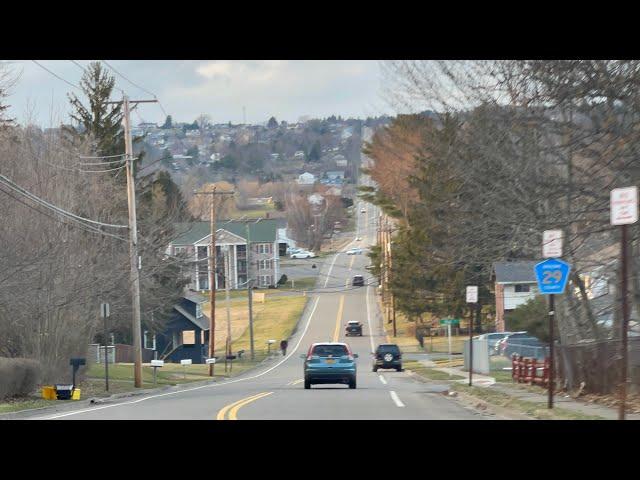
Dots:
pixel 233 408
pixel 336 333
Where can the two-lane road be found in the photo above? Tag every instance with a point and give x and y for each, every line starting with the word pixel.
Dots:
pixel 277 391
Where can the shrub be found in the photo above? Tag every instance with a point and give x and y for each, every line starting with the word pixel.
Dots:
pixel 283 279
pixel 19 377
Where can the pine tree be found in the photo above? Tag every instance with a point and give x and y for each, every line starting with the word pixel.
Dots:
pixel 272 123
pixel 168 123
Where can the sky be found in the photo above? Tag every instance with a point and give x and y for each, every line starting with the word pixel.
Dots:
pixel 286 89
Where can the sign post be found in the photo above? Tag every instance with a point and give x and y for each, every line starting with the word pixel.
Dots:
pixel 156 364
pixel 552 276
pixel 472 298
pixel 624 211
pixel 105 312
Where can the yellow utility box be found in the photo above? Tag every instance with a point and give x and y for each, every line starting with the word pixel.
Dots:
pixel 76 394
pixel 49 392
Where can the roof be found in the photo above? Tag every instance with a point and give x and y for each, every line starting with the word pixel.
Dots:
pixel 202 322
pixel 190 233
pixel 515 272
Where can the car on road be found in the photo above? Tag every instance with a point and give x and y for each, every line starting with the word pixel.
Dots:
pixel 358 281
pixel 354 251
pixel 353 328
pixel 387 356
pixel 303 254
pixel 363 210
pixel 329 363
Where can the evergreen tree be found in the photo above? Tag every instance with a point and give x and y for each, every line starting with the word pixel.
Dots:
pixel 168 123
pixel 315 153
pixel 272 123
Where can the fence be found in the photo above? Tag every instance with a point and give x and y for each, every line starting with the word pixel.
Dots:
pixel 596 365
pixel 487 359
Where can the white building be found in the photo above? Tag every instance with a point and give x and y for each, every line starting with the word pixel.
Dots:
pixel 306 179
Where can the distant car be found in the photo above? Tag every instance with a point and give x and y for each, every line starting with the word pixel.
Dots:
pixel 363 210
pixel 358 281
pixel 387 356
pixel 354 251
pixel 358 239
pixel 523 344
pixel 353 328
pixel 303 254
pixel 500 344
pixel 329 363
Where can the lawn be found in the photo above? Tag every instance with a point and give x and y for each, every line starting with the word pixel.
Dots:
pixel 15 405
pixel 305 283
pixel 430 373
pixel 257 212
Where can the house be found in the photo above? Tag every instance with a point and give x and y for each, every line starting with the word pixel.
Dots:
pixel 299 154
pixel 185 335
pixel 194 241
pixel 515 284
pixel 307 179
pixel 335 175
pixel 340 160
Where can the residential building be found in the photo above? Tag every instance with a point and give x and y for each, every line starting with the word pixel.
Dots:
pixel 515 284
pixel 307 179
pixel 335 175
pixel 194 241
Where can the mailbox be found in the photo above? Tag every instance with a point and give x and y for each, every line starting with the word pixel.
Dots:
pixel 157 363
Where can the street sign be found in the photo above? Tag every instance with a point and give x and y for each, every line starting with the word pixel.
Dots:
pixel 624 206
pixel 552 276
pixel 157 363
pixel 552 243
pixel 104 310
pixel 450 321
pixel 472 294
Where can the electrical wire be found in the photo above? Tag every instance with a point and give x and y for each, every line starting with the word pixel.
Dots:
pixel 57 76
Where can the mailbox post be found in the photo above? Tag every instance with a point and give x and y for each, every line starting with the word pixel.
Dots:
pixel 156 364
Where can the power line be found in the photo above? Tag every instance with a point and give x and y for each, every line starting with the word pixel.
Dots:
pixel 56 75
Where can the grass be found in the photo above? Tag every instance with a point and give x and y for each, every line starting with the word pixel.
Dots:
pixel 532 409
pixel 15 405
pixel 305 283
pixel 257 212
pixel 430 373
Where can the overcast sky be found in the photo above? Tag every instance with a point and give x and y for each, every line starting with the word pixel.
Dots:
pixel 286 89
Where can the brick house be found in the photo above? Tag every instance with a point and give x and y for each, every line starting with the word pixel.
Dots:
pixel 515 284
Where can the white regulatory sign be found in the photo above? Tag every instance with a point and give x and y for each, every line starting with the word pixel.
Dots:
pixel 472 294
pixel 552 243
pixel 624 206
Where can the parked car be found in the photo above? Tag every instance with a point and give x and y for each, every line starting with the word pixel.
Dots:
pixel 354 251
pixel 525 345
pixel 363 210
pixel 358 281
pixel 329 363
pixel 353 328
pixel 387 356
pixel 492 339
pixel 303 254
pixel 500 343
pixel 293 250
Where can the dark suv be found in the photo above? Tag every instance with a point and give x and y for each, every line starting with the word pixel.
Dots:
pixel 358 281
pixel 387 355
pixel 353 328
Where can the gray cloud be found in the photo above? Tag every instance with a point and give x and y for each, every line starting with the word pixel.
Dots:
pixel 286 89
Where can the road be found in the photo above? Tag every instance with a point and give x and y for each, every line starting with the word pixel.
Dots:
pixel 276 391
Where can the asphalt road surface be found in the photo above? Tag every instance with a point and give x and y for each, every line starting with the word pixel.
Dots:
pixel 276 391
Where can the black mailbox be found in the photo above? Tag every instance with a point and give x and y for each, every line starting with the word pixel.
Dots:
pixel 231 357
pixel 240 353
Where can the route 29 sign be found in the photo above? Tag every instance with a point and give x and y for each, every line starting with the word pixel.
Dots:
pixel 552 276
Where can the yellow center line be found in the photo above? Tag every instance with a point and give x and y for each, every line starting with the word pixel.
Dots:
pixel 223 411
pixel 233 414
pixel 295 382
pixel 336 333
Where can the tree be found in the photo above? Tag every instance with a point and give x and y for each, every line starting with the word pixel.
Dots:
pixel 194 153
pixel 272 123
pixel 167 158
pixel 315 152
pixel 101 121
pixel 5 82
pixel 168 123
pixel 530 317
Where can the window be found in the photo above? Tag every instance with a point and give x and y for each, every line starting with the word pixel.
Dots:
pixel 522 288
pixel 149 340
pixel 265 248
pixel 203 280
pixel 265 264
pixel 242 266
pixel 189 337
pixel 179 250
pixel 198 310
pixel 330 350
pixel 202 252
pixel 265 280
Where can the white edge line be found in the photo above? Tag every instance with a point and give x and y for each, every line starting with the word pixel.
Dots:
pixel 195 388
pixel 382 379
pixel 396 399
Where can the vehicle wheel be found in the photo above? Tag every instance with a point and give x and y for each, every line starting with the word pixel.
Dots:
pixel 399 369
pixel 307 384
pixel 352 383
pixel 360 334
pixel 375 369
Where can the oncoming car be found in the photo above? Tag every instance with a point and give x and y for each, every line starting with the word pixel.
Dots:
pixel 358 281
pixel 329 362
pixel 353 328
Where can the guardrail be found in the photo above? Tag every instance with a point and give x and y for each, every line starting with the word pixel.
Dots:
pixel 526 370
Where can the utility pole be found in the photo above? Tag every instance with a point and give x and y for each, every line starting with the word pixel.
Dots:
pixel 227 279
pixel 250 291
pixel 212 274
pixel 134 259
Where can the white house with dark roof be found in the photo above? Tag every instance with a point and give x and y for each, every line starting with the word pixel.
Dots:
pixel 307 179
pixel 515 284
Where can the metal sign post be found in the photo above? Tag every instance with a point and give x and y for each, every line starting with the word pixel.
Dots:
pixel 472 298
pixel 624 211
pixel 552 276
pixel 105 312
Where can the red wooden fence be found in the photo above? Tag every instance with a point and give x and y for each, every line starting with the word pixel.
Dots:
pixel 530 370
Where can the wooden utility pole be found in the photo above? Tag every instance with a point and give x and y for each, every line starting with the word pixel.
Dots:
pixel 212 274
pixel 134 259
